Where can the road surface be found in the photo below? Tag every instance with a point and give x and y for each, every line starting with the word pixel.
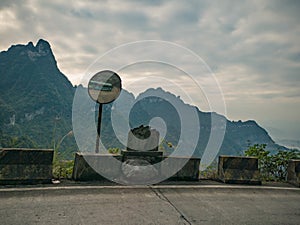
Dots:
pixel 185 204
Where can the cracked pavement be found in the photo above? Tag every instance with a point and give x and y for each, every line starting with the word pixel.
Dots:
pixel 219 204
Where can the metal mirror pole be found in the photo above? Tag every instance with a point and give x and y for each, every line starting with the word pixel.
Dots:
pixel 98 128
pixel 104 87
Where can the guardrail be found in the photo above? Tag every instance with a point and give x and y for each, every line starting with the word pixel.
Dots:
pixel 85 165
pixel 238 170
pixel 293 172
pixel 25 166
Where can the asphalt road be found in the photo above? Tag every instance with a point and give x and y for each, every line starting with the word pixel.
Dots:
pixel 150 205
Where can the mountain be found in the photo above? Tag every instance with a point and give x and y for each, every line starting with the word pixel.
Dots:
pixel 154 103
pixel 36 109
pixel 238 136
pixel 35 97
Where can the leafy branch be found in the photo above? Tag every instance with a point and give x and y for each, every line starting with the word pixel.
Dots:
pixel 272 167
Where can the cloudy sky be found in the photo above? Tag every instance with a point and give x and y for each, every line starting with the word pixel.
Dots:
pixel 252 47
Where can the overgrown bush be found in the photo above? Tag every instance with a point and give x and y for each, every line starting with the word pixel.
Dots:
pixel 273 167
pixel 211 171
pixel 63 169
pixel 114 151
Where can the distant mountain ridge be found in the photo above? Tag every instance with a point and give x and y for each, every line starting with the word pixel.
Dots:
pixel 238 134
pixel 36 101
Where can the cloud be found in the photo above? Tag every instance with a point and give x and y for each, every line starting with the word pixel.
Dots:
pixel 252 46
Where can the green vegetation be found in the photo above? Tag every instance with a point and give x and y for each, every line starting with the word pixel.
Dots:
pixel 273 167
pixel 167 147
pixel 63 169
pixel 7 141
pixel 114 151
pixel 211 172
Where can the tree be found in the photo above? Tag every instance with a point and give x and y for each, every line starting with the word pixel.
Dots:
pixel 272 167
pixel 7 141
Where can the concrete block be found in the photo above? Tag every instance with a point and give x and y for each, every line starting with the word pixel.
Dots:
pixel 85 163
pixel 293 172
pixel 25 166
pixel 190 170
pixel 150 156
pixel 239 170
pixel 143 138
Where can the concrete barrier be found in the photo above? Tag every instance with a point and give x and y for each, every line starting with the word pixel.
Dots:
pixel 25 166
pixel 85 163
pixel 239 170
pixel 293 172
pixel 190 171
pixel 151 156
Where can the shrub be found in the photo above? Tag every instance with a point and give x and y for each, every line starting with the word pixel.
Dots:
pixel 114 151
pixel 272 167
pixel 63 169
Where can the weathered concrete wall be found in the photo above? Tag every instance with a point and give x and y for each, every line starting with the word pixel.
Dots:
pixel 83 171
pixel 293 172
pixel 84 165
pixel 190 171
pixel 25 166
pixel 238 170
